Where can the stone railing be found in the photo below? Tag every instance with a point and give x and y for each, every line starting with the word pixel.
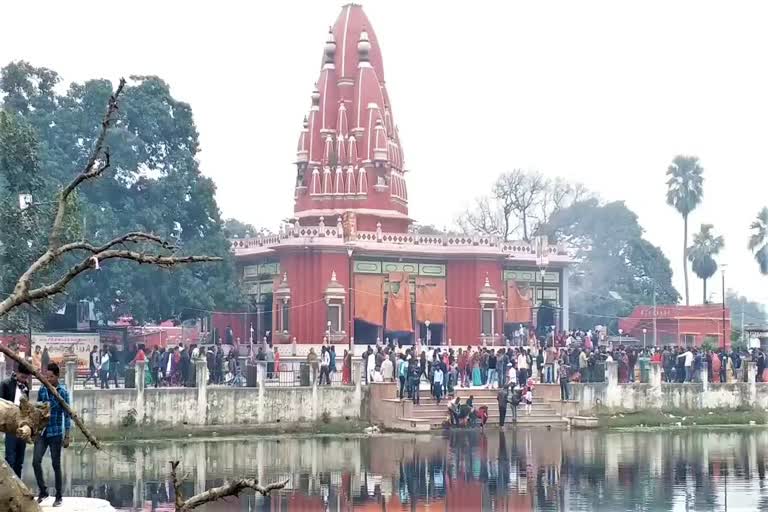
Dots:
pixel 519 247
pixel 321 233
pixel 290 233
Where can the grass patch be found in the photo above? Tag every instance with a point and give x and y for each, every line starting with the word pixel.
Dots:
pixel 682 418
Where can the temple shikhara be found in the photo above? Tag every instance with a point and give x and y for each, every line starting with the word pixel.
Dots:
pixel 350 266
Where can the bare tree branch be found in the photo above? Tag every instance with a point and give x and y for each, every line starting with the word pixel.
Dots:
pixel 26 296
pixel 233 488
pixel 64 405
pixel 98 162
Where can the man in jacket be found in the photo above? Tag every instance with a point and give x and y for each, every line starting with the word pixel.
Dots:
pixel 13 389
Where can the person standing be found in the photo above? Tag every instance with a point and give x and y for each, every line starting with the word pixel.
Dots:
pixel 104 369
pixel 94 361
pixel 528 399
pixel 37 358
pixel 325 364
pixel 113 365
pixel 402 374
pixel 437 382
pixel 154 366
pixel 414 376
pixel 522 368
pixel 492 375
pixel 45 359
pixel 346 368
pixel 14 389
pixel 514 400
pixel 311 361
pixel 387 370
pixel 563 375
pixel 332 365
pixel 503 397
pixel 55 436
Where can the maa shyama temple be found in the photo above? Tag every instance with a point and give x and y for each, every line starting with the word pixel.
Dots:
pixel 350 267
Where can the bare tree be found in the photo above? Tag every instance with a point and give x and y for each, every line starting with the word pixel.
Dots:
pixel 519 193
pixel 520 203
pixel 486 218
pixel 559 194
pixel 26 421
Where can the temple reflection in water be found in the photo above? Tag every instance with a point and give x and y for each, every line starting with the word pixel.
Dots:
pixel 468 470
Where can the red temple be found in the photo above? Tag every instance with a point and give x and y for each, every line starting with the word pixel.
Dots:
pixel 680 325
pixel 349 265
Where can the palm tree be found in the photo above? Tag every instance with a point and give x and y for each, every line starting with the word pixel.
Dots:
pixel 685 188
pixel 701 254
pixel 758 241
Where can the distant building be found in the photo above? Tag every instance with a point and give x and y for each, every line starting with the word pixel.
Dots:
pixel 680 325
pixel 349 263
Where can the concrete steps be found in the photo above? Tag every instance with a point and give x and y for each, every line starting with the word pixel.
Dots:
pixel 542 413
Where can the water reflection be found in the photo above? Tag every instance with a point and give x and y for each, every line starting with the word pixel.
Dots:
pixel 468 470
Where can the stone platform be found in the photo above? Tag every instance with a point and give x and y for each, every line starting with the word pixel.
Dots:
pixel 78 505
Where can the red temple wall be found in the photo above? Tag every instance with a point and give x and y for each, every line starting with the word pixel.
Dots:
pixel 465 279
pixel 309 273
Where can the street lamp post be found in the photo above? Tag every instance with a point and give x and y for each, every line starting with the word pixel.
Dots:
pixel 644 332
pixel 722 274
pixel 621 331
pixel 429 334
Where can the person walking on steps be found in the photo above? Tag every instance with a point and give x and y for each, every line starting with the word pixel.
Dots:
pixel 55 436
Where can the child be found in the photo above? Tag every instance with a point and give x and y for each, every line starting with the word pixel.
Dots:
pixel 528 400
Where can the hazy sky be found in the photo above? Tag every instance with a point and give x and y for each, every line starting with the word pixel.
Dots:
pixel 601 92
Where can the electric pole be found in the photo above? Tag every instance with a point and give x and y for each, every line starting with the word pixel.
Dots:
pixel 655 339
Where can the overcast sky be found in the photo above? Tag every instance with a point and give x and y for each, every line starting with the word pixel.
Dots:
pixel 601 92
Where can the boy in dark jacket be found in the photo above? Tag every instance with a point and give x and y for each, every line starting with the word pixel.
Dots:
pixel 14 389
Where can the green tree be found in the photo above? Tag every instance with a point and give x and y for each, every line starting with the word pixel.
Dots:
pixel 702 254
pixel 685 189
pixel 758 240
pixel 156 186
pixel 617 268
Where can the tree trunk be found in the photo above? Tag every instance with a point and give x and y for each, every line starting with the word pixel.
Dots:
pixel 14 495
pixel 26 422
pixel 705 290
pixel 685 257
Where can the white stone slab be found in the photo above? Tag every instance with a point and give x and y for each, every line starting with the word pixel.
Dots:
pixel 78 505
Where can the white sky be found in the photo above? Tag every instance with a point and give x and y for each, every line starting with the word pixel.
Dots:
pixel 601 92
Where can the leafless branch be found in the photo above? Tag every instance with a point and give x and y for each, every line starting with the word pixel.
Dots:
pixel 27 296
pixel 64 405
pixel 233 488
pixel 97 163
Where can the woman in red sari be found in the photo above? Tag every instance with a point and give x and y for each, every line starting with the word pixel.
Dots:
pixel 716 364
pixel 346 368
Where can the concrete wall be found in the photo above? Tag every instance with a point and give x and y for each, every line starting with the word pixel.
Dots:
pixel 208 405
pixel 662 395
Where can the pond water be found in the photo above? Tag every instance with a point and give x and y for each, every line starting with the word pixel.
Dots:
pixel 469 470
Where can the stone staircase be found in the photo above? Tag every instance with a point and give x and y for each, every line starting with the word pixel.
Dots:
pixel 429 412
